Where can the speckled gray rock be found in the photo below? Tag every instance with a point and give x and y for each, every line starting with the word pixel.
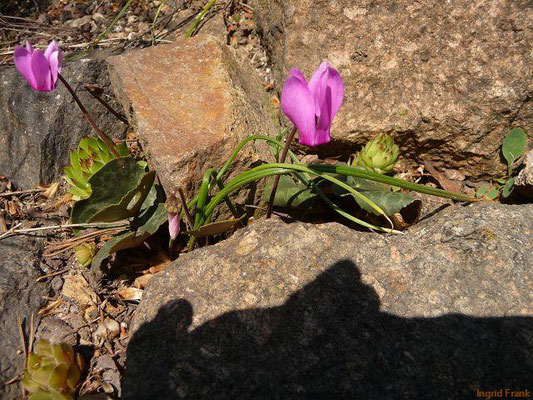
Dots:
pixel 38 128
pixel 20 295
pixel 524 181
pixel 321 311
pixel 446 78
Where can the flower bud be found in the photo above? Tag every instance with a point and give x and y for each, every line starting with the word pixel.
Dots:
pixel 379 155
pixel 172 207
pixel 85 253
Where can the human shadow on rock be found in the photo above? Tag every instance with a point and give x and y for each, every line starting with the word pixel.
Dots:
pixel 329 340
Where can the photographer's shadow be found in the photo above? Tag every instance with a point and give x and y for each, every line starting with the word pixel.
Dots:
pixel 329 340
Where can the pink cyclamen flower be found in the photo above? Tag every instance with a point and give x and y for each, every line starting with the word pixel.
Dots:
pixel 40 69
pixel 312 106
pixel 173 224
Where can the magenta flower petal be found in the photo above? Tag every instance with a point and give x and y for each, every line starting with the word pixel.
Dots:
pixel 299 106
pixel 336 89
pixel 51 48
pixel 316 77
pixel 22 58
pixel 298 74
pixel 327 93
pixel 54 57
pixel 173 225
pixel 41 71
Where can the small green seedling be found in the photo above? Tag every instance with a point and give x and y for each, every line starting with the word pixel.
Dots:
pixel 513 147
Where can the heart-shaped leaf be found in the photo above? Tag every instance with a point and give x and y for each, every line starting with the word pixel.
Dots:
pixel 119 189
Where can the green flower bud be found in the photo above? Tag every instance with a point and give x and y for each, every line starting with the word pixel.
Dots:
pixel 85 253
pixel 379 155
pixel 53 372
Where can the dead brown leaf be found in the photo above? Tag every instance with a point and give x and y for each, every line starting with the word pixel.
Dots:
pixel 130 294
pixel 446 184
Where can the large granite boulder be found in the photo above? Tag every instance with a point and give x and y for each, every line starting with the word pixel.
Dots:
pixel 192 102
pixel 446 78
pixel 38 128
pixel 20 296
pixel 299 310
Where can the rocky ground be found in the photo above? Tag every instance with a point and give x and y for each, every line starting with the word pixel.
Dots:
pixel 283 308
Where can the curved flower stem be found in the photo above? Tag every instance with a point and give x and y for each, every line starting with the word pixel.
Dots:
pixel 276 179
pixel 107 140
pixel 93 91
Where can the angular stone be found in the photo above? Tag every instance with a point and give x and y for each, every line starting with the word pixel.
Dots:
pixel 322 311
pixel 20 296
pixel 446 78
pixel 38 128
pixel 191 103
pixel 524 181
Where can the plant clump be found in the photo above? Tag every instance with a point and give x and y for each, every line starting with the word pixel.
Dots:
pixel 53 372
pixel 84 254
pixel 379 155
pixel 91 155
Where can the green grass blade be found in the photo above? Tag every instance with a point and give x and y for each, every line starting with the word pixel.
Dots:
pixel 199 18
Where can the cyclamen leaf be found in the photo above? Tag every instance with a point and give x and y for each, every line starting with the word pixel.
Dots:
pixel 488 191
pixel 482 191
pixel 514 145
pixel 118 191
pixel 129 239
